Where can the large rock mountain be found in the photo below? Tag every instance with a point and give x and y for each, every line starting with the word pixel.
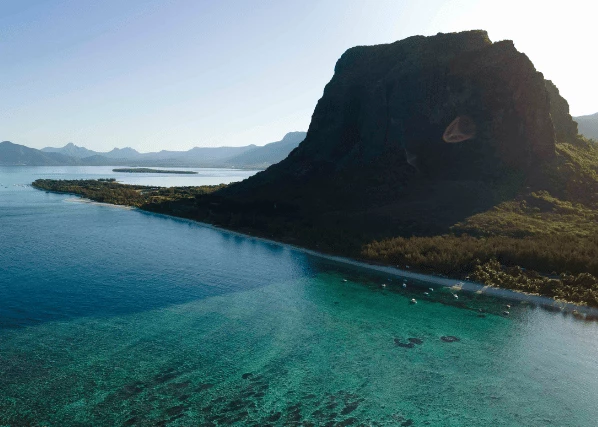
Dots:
pixel 424 115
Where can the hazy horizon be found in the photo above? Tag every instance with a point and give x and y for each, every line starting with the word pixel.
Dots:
pixel 154 76
pixel 163 149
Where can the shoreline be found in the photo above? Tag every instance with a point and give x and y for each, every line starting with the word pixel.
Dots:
pixel 455 284
pixel 93 202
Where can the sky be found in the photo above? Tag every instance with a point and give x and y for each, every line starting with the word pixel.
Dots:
pixel 175 74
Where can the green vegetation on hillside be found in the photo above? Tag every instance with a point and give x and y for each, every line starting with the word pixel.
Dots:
pixel 551 228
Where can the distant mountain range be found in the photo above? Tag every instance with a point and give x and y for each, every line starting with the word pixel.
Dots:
pixel 14 154
pixel 588 125
pixel 250 156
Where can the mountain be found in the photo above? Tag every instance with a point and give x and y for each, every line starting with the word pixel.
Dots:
pixel 408 139
pixel 211 155
pixel 71 150
pixel 14 154
pixel 122 153
pixel 446 116
pixel 268 154
pixel 75 151
pixel 588 125
pixel 250 156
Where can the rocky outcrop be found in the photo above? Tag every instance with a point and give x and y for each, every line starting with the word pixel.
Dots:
pixel 444 108
pixel 564 126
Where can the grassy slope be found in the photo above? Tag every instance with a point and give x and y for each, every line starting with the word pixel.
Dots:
pixel 551 227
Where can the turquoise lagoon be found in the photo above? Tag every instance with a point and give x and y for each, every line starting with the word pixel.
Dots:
pixel 114 317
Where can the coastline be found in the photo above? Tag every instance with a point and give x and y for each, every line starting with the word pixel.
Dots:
pixel 455 284
pixel 86 201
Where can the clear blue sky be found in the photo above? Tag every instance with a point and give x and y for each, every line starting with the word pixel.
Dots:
pixel 174 74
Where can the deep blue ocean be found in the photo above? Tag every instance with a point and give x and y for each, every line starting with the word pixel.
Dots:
pixel 115 317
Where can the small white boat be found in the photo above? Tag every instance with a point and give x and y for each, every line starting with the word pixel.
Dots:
pixel 383 285
pixel 456 296
pixel 426 293
pixel 431 289
pixel 413 301
pixel 404 285
pixel 344 280
pixel 506 313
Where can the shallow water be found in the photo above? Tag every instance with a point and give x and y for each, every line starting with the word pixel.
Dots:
pixel 111 316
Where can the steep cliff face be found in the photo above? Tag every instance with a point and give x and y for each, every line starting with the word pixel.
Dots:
pixel 443 108
pixel 564 126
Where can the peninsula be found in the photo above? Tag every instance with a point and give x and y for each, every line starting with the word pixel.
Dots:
pixel 449 154
pixel 149 170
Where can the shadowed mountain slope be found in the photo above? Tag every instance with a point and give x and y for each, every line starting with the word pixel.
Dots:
pixel 451 123
pixel 386 140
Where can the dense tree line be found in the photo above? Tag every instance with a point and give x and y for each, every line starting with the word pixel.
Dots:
pixel 109 191
pixel 551 228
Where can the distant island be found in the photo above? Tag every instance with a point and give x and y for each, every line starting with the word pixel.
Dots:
pixel 149 170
